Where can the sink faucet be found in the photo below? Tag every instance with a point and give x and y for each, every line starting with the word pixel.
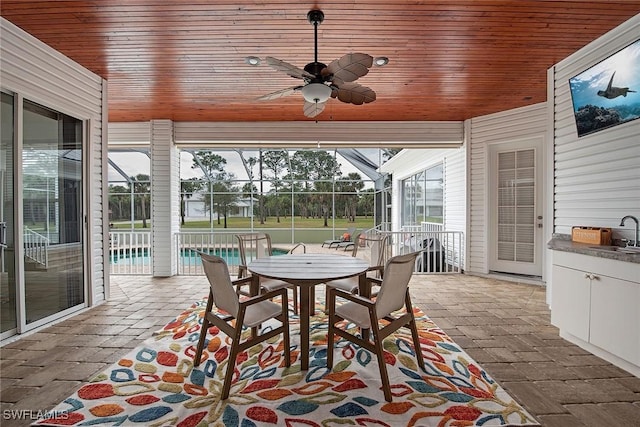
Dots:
pixel 635 243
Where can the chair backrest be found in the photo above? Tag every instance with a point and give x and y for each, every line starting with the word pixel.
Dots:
pixel 253 245
pixel 397 273
pixel 350 231
pixel 217 272
pixel 372 247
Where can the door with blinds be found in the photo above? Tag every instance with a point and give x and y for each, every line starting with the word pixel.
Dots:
pixel 515 233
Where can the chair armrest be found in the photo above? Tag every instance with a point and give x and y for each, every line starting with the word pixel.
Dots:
pixel 263 297
pixel 352 297
pixel 239 283
pixel 242 271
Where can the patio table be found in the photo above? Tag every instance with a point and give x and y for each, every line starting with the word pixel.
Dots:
pixel 306 271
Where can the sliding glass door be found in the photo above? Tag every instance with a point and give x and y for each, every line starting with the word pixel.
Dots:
pixel 42 232
pixel 8 305
pixel 53 214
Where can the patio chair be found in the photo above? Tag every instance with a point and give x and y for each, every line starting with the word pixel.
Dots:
pixel 342 238
pixel 258 245
pixel 374 248
pixel 346 244
pixel 248 313
pixel 365 314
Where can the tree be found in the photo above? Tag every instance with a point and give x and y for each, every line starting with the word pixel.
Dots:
pixel 275 161
pixel 142 194
pixel 119 201
pixel 348 188
pixel 187 189
pixel 316 171
pixel 219 183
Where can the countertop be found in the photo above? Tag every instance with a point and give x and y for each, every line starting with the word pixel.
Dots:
pixel 563 242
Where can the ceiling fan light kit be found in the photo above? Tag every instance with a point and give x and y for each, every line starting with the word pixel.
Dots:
pixel 321 81
pixel 316 92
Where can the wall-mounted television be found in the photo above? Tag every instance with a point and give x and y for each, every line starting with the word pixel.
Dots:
pixel 608 94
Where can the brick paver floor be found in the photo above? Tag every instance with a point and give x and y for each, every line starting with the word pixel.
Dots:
pixel 505 326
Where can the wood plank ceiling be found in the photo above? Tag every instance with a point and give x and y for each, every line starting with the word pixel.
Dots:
pixel 448 60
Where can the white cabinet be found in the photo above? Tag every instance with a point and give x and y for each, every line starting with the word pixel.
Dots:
pixel 570 301
pixel 615 317
pixel 598 301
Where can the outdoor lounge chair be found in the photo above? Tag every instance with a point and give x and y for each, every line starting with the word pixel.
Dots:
pixel 346 244
pixel 350 231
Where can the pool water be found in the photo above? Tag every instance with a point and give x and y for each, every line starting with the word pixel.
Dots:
pixel 187 256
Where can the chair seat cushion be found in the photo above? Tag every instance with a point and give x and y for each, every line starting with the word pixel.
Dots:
pixel 261 312
pixel 355 313
pixel 273 284
pixel 350 284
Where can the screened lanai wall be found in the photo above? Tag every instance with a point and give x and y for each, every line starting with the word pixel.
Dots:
pixel 314 198
pixel 289 191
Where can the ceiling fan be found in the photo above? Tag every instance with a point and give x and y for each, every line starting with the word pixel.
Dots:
pixel 321 81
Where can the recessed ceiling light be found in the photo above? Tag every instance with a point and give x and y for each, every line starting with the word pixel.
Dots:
pixel 252 60
pixel 381 61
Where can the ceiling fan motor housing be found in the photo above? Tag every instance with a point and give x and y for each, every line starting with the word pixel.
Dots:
pixel 315 16
pixel 315 68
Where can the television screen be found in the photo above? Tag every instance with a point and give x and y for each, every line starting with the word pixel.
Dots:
pixel 608 94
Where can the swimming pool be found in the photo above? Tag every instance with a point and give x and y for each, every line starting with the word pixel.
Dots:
pixel 187 256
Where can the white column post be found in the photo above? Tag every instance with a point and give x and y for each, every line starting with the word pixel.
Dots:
pixel 165 198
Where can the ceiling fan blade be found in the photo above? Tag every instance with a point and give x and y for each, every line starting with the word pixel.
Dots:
pixel 279 93
pixel 350 67
pixel 312 109
pixel 285 67
pixel 354 93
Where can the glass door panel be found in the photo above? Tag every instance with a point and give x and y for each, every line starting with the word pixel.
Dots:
pixel 52 171
pixel 7 225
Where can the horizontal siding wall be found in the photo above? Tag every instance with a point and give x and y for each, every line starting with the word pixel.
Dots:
pixel 507 126
pixel 43 75
pixel 130 133
pixel 324 134
pixel 409 162
pixel 597 176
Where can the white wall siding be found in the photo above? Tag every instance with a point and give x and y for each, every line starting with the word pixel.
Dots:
pixel 165 198
pixel 130 133
pixel 597 176
pixel 328 134
pixel 455 191
pixel 507 126
pixel 409 162
pixel 42 75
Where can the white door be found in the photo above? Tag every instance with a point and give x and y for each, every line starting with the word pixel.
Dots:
pixel 515 208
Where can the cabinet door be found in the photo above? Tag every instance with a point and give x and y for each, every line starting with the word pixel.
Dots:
pixel 570 301
pixel 615 317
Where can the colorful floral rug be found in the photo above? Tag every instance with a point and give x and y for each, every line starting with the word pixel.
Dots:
pixel 156 384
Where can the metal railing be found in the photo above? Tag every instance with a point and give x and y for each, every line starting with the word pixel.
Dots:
pixel 130 252
pixel 221 244
pixel 36 247
pixel 441 251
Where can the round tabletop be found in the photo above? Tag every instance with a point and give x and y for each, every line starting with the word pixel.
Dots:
pixel 308 267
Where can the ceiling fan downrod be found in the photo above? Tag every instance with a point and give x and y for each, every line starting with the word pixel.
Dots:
pixel 315 17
